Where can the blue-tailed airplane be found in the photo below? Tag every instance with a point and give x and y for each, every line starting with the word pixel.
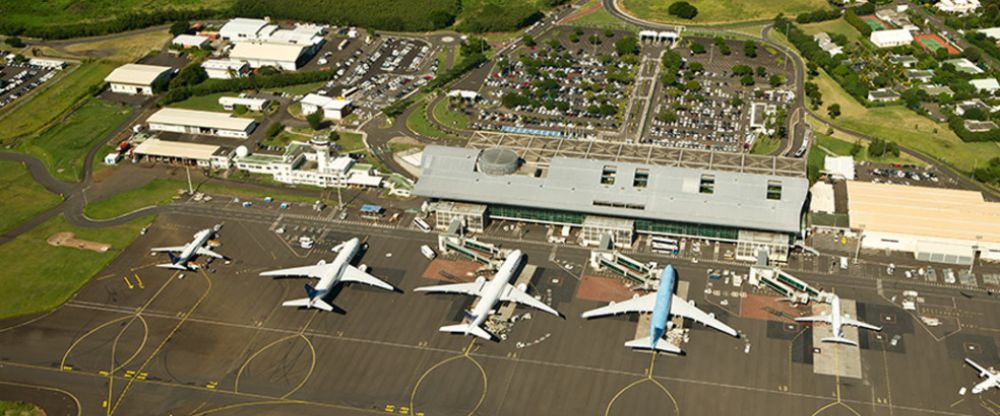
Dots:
pixel 662 304
pixel 199 246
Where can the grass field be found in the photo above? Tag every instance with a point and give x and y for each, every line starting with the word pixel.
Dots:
pixel 19 409
pixel 836 26
pixel 765 146
pixel 121 49
pixel 203 102
pixel 454 119
pixel 55 12
pixel 39 277
pixel 600 18
pixel 842 147
pixel 722 11
pixel 300 89
pixel 23 197
pixel 419 123
pixel 51 101
pixel 350 142
pixel 64 147
pixel 907 128
pixel 162 191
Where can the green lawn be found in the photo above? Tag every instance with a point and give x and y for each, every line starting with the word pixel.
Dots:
pixel 23 197
pixel 64 147
pixel 19 409
pixel 300 89
pixel 419 123
pixel 162 191
pixel 722 11
pixel 39 277
pixel 765 145
pixel 905 127
pixel 203 102
pixel 56 12
pixel 601 19
pixel 51 101
pixel 836 26
pixel 350 142
pixel 454 119
pixel 843 148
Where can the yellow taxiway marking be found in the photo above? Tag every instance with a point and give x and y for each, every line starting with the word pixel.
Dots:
pixel 139 281
pixel 125 278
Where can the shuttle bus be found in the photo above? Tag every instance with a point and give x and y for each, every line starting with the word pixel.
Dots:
pixel 422 225
pixel 665 245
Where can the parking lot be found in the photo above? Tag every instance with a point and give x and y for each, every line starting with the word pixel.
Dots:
pixel 559 87
pixel 710 106
pixel 18 79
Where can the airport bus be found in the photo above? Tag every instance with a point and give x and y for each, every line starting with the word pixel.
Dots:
pixel 665 245
pixel 422 225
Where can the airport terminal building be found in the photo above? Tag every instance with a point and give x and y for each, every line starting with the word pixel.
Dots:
pixel 619 198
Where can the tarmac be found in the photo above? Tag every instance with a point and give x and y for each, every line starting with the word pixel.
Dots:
pixel 143 340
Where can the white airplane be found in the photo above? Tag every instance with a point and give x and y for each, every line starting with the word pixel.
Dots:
pixel 837 321
pixel 497 290
pixel 662 304
pixel 197 247
pixel 329 274
pixel 992 378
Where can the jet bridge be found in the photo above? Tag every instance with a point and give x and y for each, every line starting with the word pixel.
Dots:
pixel 631 269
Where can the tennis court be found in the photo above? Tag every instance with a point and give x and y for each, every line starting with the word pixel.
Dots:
pixel 874 23
pixel 932 42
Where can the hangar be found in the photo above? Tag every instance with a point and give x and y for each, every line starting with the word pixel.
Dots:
pixel 137 79
pixel 935 224
pixel 211 123
pixel 284 56
pixel 754 210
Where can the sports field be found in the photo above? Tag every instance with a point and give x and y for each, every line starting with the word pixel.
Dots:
pixel 722 11
pixel 874 23
pixel 932 42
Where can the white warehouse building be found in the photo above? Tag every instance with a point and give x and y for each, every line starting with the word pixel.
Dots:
pixel 210 123
pixel 310 164
pixel 242 29
pixel 137 79
pixel 225 68
pixel 935 224
pixel 288 57
pixel 891 38
pixel 333 108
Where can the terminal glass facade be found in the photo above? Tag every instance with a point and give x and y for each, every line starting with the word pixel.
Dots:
pixel 545 216
pixel 684 228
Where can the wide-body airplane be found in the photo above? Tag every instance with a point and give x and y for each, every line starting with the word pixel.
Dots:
pixel 329 275
pixel 662 304
pixel 837 321
pixel 497 290
pixel 992 378
pixel 197 247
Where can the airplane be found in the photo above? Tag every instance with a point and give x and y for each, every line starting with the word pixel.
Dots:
pixel 187 252
pixel 329 275
pixel 838 320
pixel 992 378
pixel 490 293
pixel 662 304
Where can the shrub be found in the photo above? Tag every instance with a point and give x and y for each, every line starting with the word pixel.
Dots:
pixel 683 10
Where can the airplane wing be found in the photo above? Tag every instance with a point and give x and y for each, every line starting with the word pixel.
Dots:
pixel 207 252
pixel 472 288
pixel 986 385
pixel 640 304
pixel 513 294
pixel 317 271
pixel 982 371
pixel 859 324
pixel 814 318
pixel 680 307
pixel 175 249
pixel 353 274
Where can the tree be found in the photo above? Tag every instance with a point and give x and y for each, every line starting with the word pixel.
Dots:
pixel 747 80
pixel 315 119
pixel 180 28
pixel 608 33
pixel 240 109
pixel 192 74
pixel 833 110
pixel 627 46
pixel 972 53
pixel 667 116
pixel 14 42
pixel 697 48
pixel 528 41
pixel 555 45
pixel 776 80
pixel 856 148
pixel 573 37
pixel 750 49
pixel 812 68
pixel 741 70
pixel 683 10
pixel 761 71
pixel 334 135
pixel 594 40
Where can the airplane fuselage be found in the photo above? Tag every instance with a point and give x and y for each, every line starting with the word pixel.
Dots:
pixel 347 252
pixel 661 312
pixel 494 288
pixel 835 318
pixel 200 239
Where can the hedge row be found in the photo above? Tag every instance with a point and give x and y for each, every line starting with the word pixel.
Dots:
pixel 214 86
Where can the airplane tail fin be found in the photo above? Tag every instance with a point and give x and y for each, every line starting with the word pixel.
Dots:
pixel 467 329
pixel 315 300
pixel 839 340
pixel 660 345
pixel 311 291
pixel 173 259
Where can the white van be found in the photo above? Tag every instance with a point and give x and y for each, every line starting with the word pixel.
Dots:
pixel 422 225
pixel 428 252
pixel 843 262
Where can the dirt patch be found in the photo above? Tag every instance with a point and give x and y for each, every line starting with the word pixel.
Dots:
pixel 604 289
pixel 405 140
pixel 768 308
pixel 451 270
pixel 66 239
